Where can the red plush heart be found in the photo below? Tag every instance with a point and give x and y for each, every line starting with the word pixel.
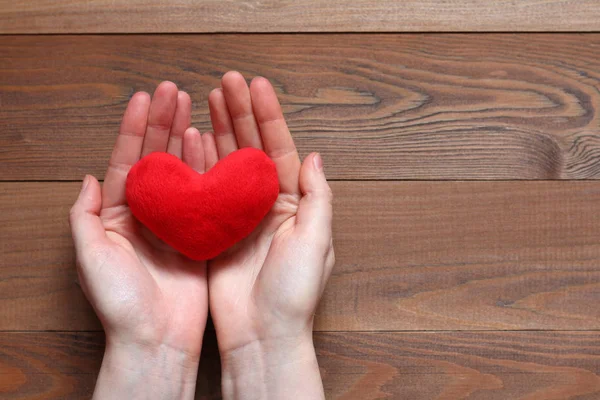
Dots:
pixel 201 215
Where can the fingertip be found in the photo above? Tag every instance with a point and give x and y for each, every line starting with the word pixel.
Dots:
pixel 191 135
pixel 308 162
pixel 312 177
pixel 191 131
pixel 316 206
pixel 260 82
pixel 232 76
pixel 214 96
pixel 313 163
pixel 89 180
pixel 263 91
pixel 265 103
pixel 167 85
pixel 92 178
pixel 84 183
pixel 218 107
pixel 141 96
pixel 234 87
pixel 193 150
pixel 93 184
pixel 90 194
pixel 86 226
pixel 317 161
pixel 183 97
pixel 166 89
pixel 138 103
pixel 215 92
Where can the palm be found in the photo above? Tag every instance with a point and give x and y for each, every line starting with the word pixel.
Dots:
pixel 156 294
pixel 166 290
pixel 235 275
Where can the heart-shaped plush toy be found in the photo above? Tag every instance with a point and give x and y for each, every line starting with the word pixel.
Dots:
pixel 201 215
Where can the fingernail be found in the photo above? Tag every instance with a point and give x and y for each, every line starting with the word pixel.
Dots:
pixel 86 181
pixel 318 162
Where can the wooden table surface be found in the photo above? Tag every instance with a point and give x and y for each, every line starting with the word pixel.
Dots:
pixel 462 141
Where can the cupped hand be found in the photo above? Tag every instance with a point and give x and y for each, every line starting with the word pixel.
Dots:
pixel 144 293
pixel 267 287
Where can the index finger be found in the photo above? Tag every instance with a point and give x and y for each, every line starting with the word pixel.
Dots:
pixel 127 150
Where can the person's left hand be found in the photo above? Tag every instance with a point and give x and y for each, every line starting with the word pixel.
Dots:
pixel 265 289
pixel 151 300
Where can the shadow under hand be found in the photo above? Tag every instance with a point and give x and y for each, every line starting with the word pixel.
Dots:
pixel 208 385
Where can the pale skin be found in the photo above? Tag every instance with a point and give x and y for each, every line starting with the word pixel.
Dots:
pixel 153 302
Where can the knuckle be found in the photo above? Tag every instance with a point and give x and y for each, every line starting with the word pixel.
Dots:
pixel 161 126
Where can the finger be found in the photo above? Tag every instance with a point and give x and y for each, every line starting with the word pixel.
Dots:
pixel 86 226
pixel 221 122
pixel 275 134
pixel 160 118
pixel 181 121
pixel 239 104
pixel 127 150
pixel 193 150
pixel 211 155
pixel 314 215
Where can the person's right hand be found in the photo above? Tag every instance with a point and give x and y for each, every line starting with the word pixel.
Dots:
pixel 264 291
pixel 151 300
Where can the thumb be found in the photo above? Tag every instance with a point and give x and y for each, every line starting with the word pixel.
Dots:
pixel 84 219
pixel 315 210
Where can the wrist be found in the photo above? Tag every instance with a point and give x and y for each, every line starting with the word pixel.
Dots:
pixel 274 368
pixel 141 371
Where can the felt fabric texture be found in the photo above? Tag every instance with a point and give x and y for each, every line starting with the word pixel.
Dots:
pixel 202 215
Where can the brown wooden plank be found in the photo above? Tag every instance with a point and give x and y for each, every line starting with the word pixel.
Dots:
pixel 100 16
pixel 392 365
pixel 41 365
pixel 459 365
pixel 496 106
pixel 410 256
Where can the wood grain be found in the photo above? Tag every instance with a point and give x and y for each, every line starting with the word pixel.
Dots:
pixel 496 106
pixel 460 365
pixel 410 256
pixel 390 365
pixel 100 16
